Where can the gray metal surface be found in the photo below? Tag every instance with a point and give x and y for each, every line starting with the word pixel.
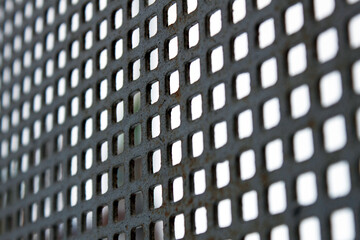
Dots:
pixel 279 141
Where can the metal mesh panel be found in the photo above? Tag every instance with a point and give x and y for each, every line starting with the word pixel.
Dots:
pixel 193 119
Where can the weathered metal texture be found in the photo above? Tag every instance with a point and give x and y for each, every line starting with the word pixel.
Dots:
pixel 30 206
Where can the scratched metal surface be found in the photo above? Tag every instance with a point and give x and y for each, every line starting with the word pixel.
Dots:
pixel 179 119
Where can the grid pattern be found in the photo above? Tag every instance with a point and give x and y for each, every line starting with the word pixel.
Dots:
pixel 179 119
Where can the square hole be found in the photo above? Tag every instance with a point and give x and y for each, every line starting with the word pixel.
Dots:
pixel 280 232
pixel 153 92
pixel 135 37
pixel 303 145
pixel 102 4
pixel 238 10
pixel 103 120
pixel 177 189
pixel 88 40
pixel 135 68
pixel 218 96
pixel 300 101
pixel 338 179
pixel 266 33
pixel 250 205
pixel 224 216
pixel 88 128
pixel 268 72
pixel 330 88
pixel 294 18
pixel 245 124
pixel 323 8
pixel 171 15
pixel 353 25
pixel 197 144
pixel 103 154
pixel 327 45
pixel 137 203
pixel 119 111
pixel 118 18
pixel 342 222
pixel 172 47
pixel 193 35
pixel 222 174
pixel 74 137
pixel 247 164
pixel 135 8
pixel 88 221
pixel 74 22
pixel 119 236
pixel 200 219
pixel 73 198
pixel 194 71
pixel 297 59
pixel 191 6
pixel 175 117
pixel 241 46
pixel 152 26
pixel 157 230
pixel 102 216
pixel 260 5
pixel 72 226
pixel 88 189
pixel 173 81
pixel 310 228
pixel 153 59
pixel 356 76
pixel 150 2
pixel 135 169
pixel 74 106
pixel 199 182
pixel 178 226
pixel 119 210
pixel 217 59
pixel 242 85
pixel 74 52
pixel 118 49
pixel 176 152
pixel 220 134
pixel 88 68
pixel 135 102
pixel 252 236
pixel 103 183
pixel 306 190
pixel 135 136
pixel 103 29
pixel 156 196
pixel 155 161
pixel 334 133
pixel 118 143
pixel 274 155
pixel 103 59
pixel 196 107
pixel 73 166
pixel 119 79
pixel 215 23
pixel 271 113
pixel 155 126
pixel 118 176
pixel 88 11
pixel 277 198
pixel 88 158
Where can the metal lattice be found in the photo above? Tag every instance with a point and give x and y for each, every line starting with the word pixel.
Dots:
pixel 193 119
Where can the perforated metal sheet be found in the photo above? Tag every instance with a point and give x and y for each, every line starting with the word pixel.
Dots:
pixel 191 119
